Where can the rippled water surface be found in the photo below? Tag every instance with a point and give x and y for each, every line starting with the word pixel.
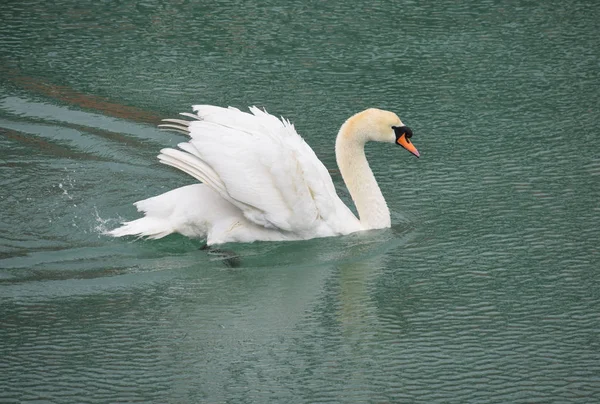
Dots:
pixel 486 289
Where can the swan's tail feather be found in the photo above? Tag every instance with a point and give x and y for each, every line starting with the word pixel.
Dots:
pixel 156 223
pixel 150 227
pixel 181 210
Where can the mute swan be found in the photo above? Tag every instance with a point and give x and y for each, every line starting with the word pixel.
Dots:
pixel 261 181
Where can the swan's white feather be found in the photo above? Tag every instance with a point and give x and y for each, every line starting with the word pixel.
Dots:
pixel 176 128
pixel 181 122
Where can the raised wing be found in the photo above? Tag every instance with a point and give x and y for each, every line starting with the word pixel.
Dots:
pixel 261 165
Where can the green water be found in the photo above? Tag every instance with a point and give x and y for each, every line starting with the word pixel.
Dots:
pixel 486 289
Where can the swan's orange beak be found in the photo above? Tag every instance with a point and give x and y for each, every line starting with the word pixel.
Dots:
pixel 403 141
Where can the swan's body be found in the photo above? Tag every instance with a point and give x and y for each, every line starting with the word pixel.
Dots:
pixel 261 181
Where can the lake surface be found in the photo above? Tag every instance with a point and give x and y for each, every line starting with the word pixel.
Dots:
pixel 486 289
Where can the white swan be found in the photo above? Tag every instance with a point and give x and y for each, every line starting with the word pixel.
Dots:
pixel 261 181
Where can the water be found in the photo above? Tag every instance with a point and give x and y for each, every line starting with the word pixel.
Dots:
pixel 484 290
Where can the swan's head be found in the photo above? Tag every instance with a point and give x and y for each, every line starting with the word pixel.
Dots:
pixel 380 126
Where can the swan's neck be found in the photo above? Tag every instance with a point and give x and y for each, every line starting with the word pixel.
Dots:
pixel 350 155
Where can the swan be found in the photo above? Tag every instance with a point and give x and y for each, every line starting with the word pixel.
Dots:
pixel 262 181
